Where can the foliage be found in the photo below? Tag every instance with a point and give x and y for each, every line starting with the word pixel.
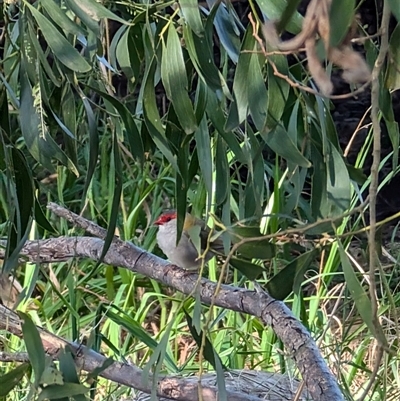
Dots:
pixel 121 109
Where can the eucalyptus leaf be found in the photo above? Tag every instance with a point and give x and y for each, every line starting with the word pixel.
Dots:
pixel 191 12
pixel 394 6
pixel 341 16
pixel 274 9
pixel 62 49
pixel 34 346
pixel 12 378
pixel 281 285
pixel 280 142
pixel 173 73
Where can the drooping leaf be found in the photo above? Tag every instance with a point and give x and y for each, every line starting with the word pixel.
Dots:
pixel 222 190
pixel 34 129
pixel 152 117
pixel 282 284
pixel 278 90
pixel 191 12
pixel 132 132
pixel 280 142
pixel 202 59
pixel 394 6
pixel 226 27
pixel 240 82
pixel 274 9
pixel 66 390
pixel 360 296
pixel 11 379
pixel 62 49
pixel 249 269
pixel 58 15
pixel 34 346
pixel 210 354
pixel 91 12
pixel 338 183
pixel 173 73
pixel 203 147
pixel 341 17
pixel 392 79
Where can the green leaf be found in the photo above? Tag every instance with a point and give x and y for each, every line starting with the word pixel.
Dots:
pixel 51 375
pixel 394 6
pixel 392 79
pixel 34 346
pixel 43 60
pixel 281 143
pixel 55 391
pixel 210 355
pixel 91 12
pixel 203 142
pixel 278 91
pixel 34 129
pixel 250 270
pixel 262 249
pixel 132 132
pixel 41 219
pixel 12 379
pixel 116 198
pixel 191 12
pixel 359 295
pixel 93 141
pixel 173 74
pixel 258 96
pixel 67 365
pixel 282 284
pixel 62 49
pixel 202 59
pixel 152 118
pixel 129 53
pixel 216 115
pixel 288 14
pixel 240 81
pixel 59 16
pixel 338 183
pixel 226 26
pixel 341 17
pixel 222 190
pixel 275 9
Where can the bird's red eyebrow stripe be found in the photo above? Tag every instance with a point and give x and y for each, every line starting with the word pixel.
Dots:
pixel 165 217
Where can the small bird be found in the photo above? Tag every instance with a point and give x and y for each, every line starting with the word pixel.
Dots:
pixel 185 254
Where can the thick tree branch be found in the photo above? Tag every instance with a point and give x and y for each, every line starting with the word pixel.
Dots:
pixel 169 387
pixel 299 344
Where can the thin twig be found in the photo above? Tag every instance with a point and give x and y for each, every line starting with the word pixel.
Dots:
pixel 373 189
